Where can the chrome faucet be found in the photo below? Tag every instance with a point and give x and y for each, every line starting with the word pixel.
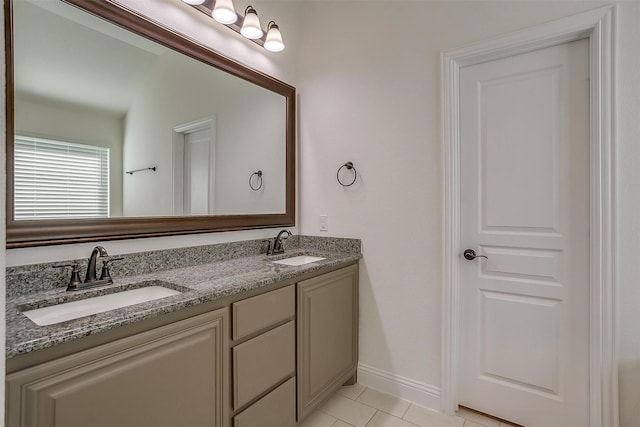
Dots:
pixel 91 266
pixel 277 247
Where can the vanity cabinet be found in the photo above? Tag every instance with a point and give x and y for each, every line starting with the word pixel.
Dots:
pixel 175 375
pixel 327 316
pixel 264 361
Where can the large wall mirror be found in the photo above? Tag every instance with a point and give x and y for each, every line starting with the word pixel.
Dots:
pixel 117 128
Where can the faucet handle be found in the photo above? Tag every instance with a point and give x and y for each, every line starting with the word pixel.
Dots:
pixel 74 281
pixel 104 274
pixel 268 242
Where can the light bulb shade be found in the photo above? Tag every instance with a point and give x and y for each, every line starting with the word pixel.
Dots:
pixel 194 2
pixel 224 13
pixel 274 42
pixel 251 26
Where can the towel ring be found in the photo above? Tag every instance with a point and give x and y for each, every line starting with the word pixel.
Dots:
pixel 349 166
pixel 259 175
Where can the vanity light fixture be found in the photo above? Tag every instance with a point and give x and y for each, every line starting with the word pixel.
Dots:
pixel 224 12
pixel 248 25
pixel 251 25
pixel 273 43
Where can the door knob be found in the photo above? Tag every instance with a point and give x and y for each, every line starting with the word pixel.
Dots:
pixel 470 254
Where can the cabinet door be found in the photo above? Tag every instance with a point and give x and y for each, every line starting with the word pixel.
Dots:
pixel 327 335
pixel 175 375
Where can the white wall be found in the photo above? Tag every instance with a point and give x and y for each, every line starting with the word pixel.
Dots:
pixel 369 93
pixel 249 130
pixel 74 123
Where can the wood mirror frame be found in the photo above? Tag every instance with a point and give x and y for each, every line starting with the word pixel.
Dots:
pixel 28 233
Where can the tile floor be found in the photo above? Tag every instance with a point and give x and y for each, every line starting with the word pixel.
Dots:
pixel 358 406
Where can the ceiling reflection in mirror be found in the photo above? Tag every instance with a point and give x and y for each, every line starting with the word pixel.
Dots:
pixel 183 138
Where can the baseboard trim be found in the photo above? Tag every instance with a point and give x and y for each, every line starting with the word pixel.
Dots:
pixel 423 394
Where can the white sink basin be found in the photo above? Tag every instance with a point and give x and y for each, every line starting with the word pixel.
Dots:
pixel 76 309
pixel 298 260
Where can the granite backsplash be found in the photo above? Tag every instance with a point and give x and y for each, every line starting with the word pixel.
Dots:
pixel 26 279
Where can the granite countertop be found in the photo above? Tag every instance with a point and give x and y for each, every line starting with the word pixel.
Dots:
pixel 199 283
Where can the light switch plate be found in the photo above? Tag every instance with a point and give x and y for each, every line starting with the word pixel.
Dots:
pixel 324 222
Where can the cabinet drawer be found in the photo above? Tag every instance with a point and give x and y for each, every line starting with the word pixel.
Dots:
pixel 253 314
pixel 262 362
pixel 276 409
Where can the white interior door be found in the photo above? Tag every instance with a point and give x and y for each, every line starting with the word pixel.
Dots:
pixel 194 156
pixel 524 310
pixel 198 192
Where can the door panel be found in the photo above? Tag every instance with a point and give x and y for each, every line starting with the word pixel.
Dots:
pixel 504 317
pixel 519 195
pixel 530 264
pixel 524 201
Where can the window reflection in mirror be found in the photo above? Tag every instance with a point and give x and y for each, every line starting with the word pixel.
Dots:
pixel 84 81
pixel 59 179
